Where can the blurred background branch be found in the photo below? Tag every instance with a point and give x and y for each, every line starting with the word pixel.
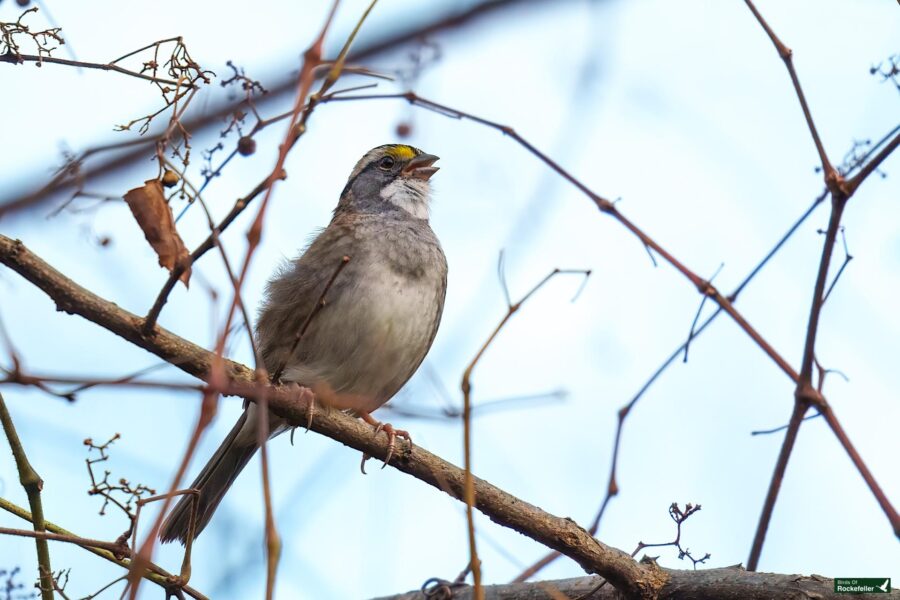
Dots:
pixel 120 156
pixel 701 141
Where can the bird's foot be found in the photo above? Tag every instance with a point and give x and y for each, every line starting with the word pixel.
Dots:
pixel 307 396
pixel 392 434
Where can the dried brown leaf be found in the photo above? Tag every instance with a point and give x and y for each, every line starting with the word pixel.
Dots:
pixel 154 215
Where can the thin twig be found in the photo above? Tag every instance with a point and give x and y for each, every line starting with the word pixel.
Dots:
pixel 143 556
pixel 19 58
pixel 786 55
pixel 69 539
pixel 781 427
pixel 837 276
pixel 693 329
pixel 870 167
pixel 272 539
pixel 155 574
pixel 32 483
pixel 466 386
pixel 225 261
pixel 679 516
pixel 85 382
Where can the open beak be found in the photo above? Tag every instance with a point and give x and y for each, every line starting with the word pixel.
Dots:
pixel 421 167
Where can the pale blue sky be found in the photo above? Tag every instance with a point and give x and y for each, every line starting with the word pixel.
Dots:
pixel 683 110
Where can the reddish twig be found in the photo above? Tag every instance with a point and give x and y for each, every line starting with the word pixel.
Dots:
pixel 786 55
pixel 775 484
pixel 466 385
pixel 142 557
pixel 311 59
pixel 225 261
pixel 185 574
pixel 805 395
pixel 272 539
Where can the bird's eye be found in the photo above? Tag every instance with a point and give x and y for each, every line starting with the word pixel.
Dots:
pixel 386 163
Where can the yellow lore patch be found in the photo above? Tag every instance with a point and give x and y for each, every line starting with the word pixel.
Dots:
pixel 402 152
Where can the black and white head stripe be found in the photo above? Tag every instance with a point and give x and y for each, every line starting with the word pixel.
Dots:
pixel 399 152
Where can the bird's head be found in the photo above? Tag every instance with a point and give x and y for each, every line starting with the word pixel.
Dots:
pixel 389 178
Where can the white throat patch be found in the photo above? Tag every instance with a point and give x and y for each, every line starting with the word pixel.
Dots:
pixel 412 195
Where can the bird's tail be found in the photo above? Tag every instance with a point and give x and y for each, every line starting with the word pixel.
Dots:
pixel 212 483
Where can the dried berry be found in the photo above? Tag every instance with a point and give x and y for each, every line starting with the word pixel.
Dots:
pixel 404 130
pixel 170 178
pixel 246 146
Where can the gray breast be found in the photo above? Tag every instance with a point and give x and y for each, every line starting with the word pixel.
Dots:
pixel 380 316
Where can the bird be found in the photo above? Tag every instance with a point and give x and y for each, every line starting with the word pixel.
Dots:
pixel 383 273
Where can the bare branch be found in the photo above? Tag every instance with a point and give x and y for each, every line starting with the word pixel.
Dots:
pixel 707 584
pixel 805 395
pixel 33 484
pixel 786 54
pixel 503 508
pixel 153 573
pixel 466 385
pixel 870 167
pixel 213 117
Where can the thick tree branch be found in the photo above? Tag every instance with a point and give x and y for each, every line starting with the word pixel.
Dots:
pixel 709 584
pixel 564 535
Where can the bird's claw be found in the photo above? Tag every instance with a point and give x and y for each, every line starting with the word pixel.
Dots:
pixel 306 395
pixel 392 434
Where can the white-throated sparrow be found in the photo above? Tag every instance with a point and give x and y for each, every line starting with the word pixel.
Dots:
pixel 381 315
